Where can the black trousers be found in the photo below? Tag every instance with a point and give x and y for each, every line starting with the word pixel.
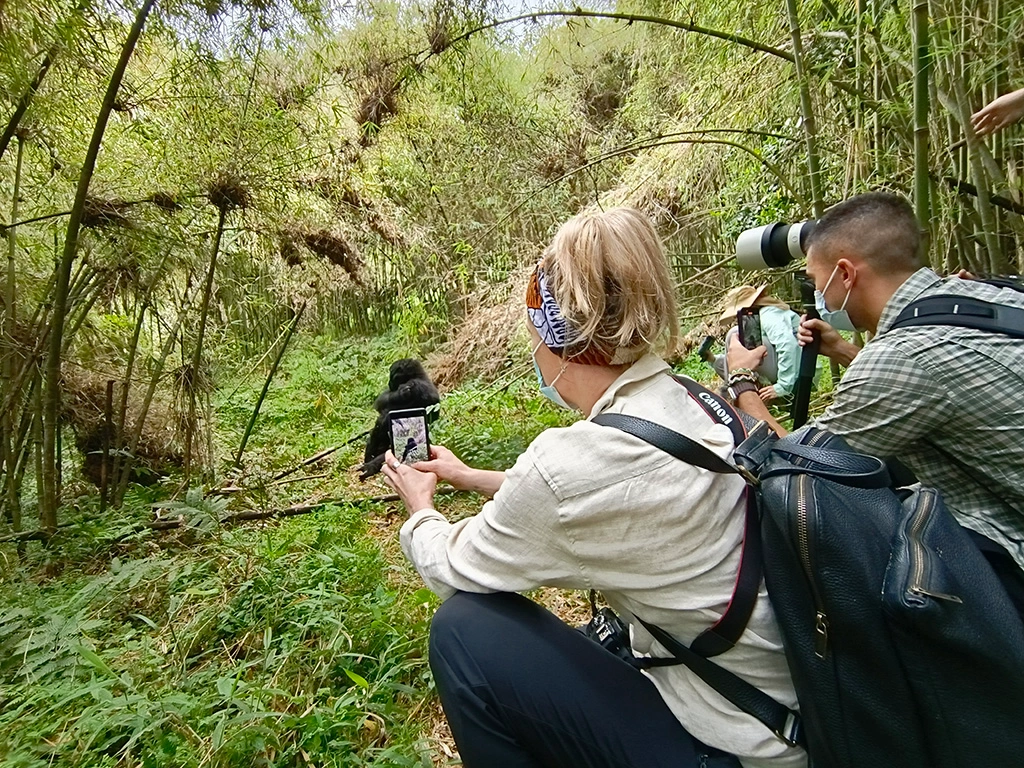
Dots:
pixel 521 689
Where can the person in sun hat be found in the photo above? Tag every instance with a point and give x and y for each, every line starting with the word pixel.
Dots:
pixel 594 508
pixel 778 328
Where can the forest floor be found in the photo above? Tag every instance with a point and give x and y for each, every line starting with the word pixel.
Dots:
pixel 276 642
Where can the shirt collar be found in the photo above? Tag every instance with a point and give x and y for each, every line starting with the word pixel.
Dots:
pixel 912 288
pixel 646 367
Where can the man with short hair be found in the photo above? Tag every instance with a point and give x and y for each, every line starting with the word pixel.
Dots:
pixel 946 401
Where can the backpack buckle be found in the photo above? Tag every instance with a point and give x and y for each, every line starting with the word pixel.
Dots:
pixel 792 730
pixel 747 475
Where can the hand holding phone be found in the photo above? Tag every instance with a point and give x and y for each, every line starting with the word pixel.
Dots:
pixel 748 323
pixel 410 440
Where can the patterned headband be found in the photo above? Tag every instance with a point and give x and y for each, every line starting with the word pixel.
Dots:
pixel 554 330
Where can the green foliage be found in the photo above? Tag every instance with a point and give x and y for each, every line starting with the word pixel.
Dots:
pixel 254 646
pixel 197 511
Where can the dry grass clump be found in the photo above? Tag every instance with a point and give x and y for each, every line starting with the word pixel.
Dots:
pixel 336 249
pixel 568 155
pixel 83 409
pixel 166 201
pixel 98 213
pixel 289 249
pixel 480 345
pixel 439 26
pixel 378 98
pixel 376 221
pixel 229 191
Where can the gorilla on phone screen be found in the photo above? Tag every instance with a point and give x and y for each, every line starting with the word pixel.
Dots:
pixel 408 387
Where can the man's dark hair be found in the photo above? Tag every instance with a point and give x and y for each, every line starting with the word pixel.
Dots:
pixel 880 227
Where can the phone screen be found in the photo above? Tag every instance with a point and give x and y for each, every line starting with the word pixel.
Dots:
pixel 410 441
pixel 749 323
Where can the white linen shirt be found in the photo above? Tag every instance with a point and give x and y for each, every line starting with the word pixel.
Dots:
pixel 591 507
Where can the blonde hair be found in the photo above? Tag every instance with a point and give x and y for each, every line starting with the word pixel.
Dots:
pixel 609 275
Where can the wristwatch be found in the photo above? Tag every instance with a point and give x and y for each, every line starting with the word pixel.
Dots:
pixel 737 389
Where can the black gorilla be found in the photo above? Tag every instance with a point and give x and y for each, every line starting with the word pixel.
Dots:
pixel 408 387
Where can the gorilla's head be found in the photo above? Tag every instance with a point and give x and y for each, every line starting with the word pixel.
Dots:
pixel 405 370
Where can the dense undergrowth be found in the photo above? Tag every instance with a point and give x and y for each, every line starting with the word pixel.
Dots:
pixel 296 641
pixel 290 642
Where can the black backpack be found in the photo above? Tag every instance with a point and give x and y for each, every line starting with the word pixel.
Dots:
pixel 904 648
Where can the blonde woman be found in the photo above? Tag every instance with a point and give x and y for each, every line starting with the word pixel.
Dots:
pixel 591 507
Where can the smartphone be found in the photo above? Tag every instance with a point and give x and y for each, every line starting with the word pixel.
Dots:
pixel 410 440
pixel 748 321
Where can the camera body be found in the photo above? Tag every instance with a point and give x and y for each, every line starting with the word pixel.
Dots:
pixel 410 438
pixel 773 245
pixel 607 630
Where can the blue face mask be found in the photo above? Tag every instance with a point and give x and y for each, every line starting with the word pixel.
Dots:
pixel 548 390
pixel 839 318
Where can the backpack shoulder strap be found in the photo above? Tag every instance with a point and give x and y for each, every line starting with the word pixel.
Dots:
pixel 962 311
pixel 725 633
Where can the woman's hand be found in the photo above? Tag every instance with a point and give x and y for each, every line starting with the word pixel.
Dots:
pixel 767 394
pixel 738 356
pixel 415 488
pixel 446 466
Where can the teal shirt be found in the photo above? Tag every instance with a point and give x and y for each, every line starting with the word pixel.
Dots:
pixel 778 328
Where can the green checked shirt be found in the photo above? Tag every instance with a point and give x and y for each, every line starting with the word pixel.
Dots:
pixel 949 403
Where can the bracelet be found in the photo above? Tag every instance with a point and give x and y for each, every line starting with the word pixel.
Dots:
pixel 742 374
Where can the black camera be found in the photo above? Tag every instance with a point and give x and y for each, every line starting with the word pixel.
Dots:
pixel 607 630
pixel 772 245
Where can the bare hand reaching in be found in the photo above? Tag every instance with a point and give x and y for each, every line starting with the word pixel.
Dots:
pixel 999 113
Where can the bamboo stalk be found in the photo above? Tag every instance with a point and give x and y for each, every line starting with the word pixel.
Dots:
pixel 11 129
pixel 197 355
pixel 997 263
pixel 12 505
pixel 165 352
pixel 266 384
pixel 806 112
pixel 51 401
pixel 108 418
pixel 922 72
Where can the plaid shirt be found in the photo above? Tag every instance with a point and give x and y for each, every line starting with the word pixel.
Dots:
pixel 949 403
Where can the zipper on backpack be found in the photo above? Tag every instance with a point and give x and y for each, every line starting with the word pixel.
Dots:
pixel 919 553
pixel 804 547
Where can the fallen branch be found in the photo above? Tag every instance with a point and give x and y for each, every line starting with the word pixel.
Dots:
pixel 300 479
pixel 322 454
pixel 292 511
pixel 168 524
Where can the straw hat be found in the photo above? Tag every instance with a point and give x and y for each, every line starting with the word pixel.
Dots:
pixel 739 297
